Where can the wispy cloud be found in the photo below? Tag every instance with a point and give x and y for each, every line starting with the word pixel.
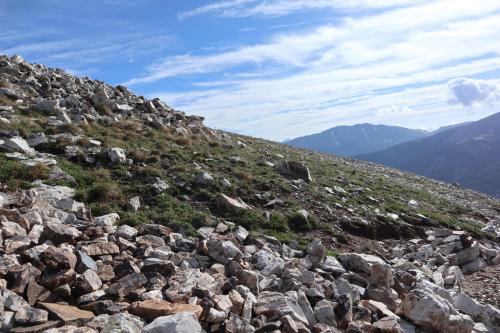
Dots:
pixel 342 73
pixel 245 8
pixel 213 7
pixel 293 50
pixel 79 53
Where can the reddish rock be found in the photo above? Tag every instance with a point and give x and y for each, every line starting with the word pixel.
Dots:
pixel 104 248
pixel 153 308
pixel 67 313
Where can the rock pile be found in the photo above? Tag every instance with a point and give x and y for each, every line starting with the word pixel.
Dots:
pixel 64 270
pixel 60 269
pixel 73 101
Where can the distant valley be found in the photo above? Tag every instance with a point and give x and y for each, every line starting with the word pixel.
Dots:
pixel 465 153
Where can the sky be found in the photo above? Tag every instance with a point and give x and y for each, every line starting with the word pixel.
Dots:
pixel 277 69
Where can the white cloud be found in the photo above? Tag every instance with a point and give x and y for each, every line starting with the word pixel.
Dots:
pixel 393 110
pixel 294 50
pixel 473 92
pixel 213 7
pixel 78 53
pixel 344 73
pixel 245 8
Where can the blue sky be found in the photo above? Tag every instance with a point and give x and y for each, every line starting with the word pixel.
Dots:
pixel 277 68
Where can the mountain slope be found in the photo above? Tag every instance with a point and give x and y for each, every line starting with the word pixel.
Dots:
pixel 467 154
pixel 356 139
pixel 121 208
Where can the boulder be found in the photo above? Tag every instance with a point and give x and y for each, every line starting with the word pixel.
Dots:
pixel 225 202
pixel 107 220
pixel 434 313
pixel 31 316
pixel 58 258
pixel 275 305
pixel 121 323
pixel 127 284
pixel 240 233
pixel 17 144
pixel 203 178
pixel 125 231
pixel 185 322
pixel 359 262
pixel 68 314
pixel 47 106
pixel 223 251
pixel 117 155
pixel 102 248
pixel 294 169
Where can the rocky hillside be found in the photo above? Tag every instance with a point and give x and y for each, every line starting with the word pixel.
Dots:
pixel 120 214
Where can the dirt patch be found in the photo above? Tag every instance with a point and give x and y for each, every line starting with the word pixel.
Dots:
pixel 484 285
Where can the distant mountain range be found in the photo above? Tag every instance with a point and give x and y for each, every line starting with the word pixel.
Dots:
pixel 357 139
pixel 468 154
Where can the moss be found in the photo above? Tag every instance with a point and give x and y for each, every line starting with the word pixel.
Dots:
pixel 331 253
pixel 17 175
pixel 298 222
pixel 104 191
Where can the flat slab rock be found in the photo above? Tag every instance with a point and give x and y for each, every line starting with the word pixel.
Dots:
pixel 153 308
pixel 67 313
pixel 35 329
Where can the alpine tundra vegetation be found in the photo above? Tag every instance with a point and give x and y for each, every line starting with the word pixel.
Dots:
pixel 121 214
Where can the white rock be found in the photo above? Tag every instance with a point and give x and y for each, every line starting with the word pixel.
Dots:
pixel 467 305
pixel 434 313
pixel 240 233
pixel 18 144
pixel 134 204
pixel 359 262
pixel 123 322
pixel 126 231
pixel 108 220
pixel 185 322
pixel 117 155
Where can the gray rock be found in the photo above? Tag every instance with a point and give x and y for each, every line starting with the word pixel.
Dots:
pixel 117 155
pixel 47 106
pixel 331 264
pixel 127 284
pixel 123 322
pixel 107 220
pixel 178 323
pixel 240 233
pixel 223 251
pixel 12 301
pixel 203 178
pixel 17 144
pixel 294 169
pixel 125 231
pixel 359 262
pixel 31 316
pixel 159 185
pixel 432 312
pixel 7 321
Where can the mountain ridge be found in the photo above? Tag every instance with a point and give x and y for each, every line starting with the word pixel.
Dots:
pixel 356 139
pixel 460 154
